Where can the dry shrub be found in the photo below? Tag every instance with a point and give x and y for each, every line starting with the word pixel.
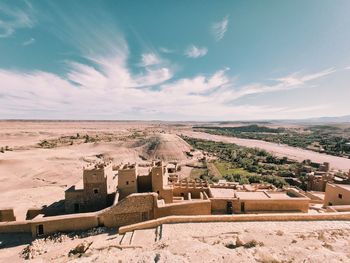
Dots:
pixel 328 246
pixel 279 233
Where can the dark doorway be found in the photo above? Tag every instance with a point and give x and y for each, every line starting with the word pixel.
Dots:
pixel 229 209
pixel 76 207
pixel 242 207
pixel 39 230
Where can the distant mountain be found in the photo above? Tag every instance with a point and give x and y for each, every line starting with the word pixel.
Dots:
pixel 339 119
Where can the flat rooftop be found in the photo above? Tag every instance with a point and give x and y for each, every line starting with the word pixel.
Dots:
pixel 246 195
pixel 252 195
pixel 222 193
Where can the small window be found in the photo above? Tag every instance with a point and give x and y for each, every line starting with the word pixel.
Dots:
pixel 39 230
pixel 95 190
pixel 340 196
pixel 76 207
pixel 127 182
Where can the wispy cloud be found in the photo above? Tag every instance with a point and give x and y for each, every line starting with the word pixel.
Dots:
pixel 104 84
pixel 166 50
pixel 196 52
pixel 219 28
pixel 292 81
pixel 13 18
pixel 29 42
pixel 111 87
pixel 149 59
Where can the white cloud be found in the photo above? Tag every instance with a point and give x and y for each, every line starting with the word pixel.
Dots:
pixel 149 59
pixel 292 81
pixel 28 42
pixel 12 18
pixel 219 28
pixel 107 88
pixel 196 52
pixel 166 50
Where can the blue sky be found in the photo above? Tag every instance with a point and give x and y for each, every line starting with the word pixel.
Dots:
pixel 174 60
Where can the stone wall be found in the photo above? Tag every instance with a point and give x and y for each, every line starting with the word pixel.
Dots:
pixel 134 208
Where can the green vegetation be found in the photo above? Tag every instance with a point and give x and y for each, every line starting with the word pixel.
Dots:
pixel 226 168
pixel 245 165
pixel 322 138
pixel 70 140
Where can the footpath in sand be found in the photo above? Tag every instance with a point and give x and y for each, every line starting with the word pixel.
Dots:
pixel 281 150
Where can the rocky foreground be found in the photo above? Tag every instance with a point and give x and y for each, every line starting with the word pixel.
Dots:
pixel 321 241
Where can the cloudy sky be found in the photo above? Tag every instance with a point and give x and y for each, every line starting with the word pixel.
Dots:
pixel 174 60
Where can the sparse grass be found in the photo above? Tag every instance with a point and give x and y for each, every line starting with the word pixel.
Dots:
pixel 198 172
pixel 226 168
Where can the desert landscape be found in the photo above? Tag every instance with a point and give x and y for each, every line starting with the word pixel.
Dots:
pixel 34 174
pixel 174 131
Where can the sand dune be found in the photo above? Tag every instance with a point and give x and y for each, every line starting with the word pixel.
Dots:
pixel 169 147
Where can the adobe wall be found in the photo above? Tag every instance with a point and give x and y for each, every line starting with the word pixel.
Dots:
pixel 73 197
pixel 235 218
pixel 274 205
pixel 134 208
pixel 198 207
pixel 127 182
pixel 65 223
pixel 166 194
pixel 332 195
pixel 96 179
pixel 219 206
pixel 15 227
pixel 195 192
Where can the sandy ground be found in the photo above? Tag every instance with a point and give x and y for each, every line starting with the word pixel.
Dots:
pixel 298 154
pixel 32 177
pixel 273 242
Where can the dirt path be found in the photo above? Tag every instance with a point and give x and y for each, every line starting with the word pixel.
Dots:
pixel 212 168
pixel 278 149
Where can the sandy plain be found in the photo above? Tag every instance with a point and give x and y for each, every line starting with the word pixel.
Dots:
pixel 31 176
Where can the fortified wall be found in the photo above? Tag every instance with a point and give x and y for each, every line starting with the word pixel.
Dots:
pixel 118 197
